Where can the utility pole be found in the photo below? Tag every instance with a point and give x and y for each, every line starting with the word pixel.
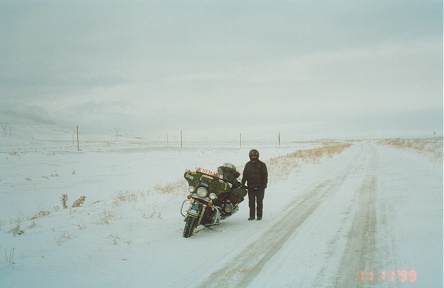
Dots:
pixel 78 143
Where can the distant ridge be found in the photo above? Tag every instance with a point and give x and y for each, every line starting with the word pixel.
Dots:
pixel 15 117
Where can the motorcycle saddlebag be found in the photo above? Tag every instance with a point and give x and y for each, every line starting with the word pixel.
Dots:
pixel 237 195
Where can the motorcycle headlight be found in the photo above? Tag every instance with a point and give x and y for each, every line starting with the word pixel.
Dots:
pixel 191 189
pixel 213 196
pixel 202 192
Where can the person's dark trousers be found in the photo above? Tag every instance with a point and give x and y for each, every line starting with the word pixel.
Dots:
pixel 256 196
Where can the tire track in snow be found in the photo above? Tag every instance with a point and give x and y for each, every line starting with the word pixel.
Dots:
pixel 360 253
pixel 249 262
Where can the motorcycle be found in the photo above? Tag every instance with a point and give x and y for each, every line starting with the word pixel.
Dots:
pixel 214 196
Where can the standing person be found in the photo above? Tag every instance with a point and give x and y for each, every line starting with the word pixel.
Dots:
pixel 256 175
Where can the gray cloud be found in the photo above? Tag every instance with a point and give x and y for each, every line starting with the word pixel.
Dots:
pixel 239 63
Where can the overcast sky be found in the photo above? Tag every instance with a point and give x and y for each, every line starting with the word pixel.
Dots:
pixel 318 69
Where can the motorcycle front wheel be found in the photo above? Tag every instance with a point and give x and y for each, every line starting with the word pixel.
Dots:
pixel 190 224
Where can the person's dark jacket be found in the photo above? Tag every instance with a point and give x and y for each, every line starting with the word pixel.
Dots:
pixel 255 174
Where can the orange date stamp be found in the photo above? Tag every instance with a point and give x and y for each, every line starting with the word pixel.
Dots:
pixel 402 276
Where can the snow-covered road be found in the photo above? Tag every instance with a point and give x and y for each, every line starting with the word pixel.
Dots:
pixel 370 216
pixel 344 226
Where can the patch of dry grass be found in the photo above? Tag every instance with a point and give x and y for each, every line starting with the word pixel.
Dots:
pixel 281 167
pixel 106 216
pixel 79 202
pixel 9 256
pixel 126 196
pixel 16 230
pixel 433 147
pixel 64 199
pixel 40 214
pixel 171 188
pixel 63 237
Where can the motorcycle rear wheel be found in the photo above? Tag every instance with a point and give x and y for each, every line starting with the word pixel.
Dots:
pixel 190 224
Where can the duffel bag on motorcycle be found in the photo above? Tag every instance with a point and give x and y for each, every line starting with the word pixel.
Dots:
pixel 237 195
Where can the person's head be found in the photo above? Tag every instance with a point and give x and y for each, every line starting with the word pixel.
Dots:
pixel 254 155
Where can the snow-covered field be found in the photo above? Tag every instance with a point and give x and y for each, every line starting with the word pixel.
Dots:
pixel 367 214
